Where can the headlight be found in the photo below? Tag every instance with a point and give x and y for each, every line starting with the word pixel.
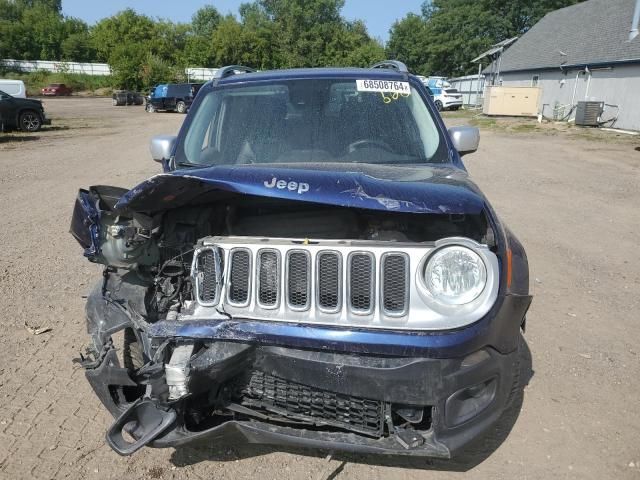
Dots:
pixel 455 275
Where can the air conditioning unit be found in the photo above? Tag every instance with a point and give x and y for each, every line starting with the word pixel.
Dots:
pixel 588 114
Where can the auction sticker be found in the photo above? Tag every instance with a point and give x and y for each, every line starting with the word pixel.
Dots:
pixel 383 86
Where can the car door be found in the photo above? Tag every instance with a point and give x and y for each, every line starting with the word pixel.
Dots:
pixel 170 98
pixel 8 109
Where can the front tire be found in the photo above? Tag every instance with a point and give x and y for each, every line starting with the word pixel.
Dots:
pixel 30 121
pixel 439 105
pixel 181 107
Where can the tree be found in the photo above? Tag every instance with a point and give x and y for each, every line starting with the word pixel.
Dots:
pixel 46 32
pixel 312 33
pixel 125 28
pixel 142 51
pixel 77 47
pixel 54 6
pixel 205 21
pixel 407 41
pixel 156 70
pixel 169 41
pixel 127 62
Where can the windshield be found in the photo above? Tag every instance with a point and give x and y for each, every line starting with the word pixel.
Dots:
pixel 311 120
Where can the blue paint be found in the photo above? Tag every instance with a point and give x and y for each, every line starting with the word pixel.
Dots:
pixel 358 341
pixel 424 189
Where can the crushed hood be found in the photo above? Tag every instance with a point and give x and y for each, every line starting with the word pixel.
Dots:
pixel 415 189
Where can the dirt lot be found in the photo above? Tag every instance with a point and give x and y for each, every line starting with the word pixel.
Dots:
pixel 573 201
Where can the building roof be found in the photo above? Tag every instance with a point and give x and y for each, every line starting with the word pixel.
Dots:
pixel 588 33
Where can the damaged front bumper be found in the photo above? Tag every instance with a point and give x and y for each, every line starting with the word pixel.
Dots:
pixel 406 393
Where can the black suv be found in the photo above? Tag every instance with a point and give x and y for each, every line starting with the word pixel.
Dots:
pixel 21 114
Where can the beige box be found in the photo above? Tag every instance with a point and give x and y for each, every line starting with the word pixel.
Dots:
pixel 512 101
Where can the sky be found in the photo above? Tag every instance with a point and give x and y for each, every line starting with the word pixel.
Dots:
pixel 379 15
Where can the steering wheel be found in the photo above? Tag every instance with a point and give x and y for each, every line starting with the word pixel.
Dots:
pixel 359 144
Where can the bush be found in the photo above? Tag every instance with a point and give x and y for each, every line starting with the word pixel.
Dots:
pixel 79 82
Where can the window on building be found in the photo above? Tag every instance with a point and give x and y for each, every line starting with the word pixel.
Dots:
pixel 534 80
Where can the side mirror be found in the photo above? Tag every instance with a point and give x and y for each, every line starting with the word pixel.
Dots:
pixel 465 139
pixel 162 147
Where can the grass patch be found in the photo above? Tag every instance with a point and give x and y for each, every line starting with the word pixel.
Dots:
pixel 483 122
pixel 458 113
pixel 525 128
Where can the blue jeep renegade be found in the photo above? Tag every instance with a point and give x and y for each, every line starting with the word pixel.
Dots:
pixel 314 268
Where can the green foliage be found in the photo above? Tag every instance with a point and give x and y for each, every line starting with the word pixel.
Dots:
pixel 77 47
pixel 156 70
pixel 450 33
pixel 143 51
pixel 36 29
pixel 125 30
pixel 35 81
pixel 205 21
pixel 126 61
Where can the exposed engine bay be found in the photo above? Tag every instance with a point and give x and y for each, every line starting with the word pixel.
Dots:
pixel 160 248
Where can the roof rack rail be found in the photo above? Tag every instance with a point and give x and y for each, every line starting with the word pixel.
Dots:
pixel 231 70
pixel 393 64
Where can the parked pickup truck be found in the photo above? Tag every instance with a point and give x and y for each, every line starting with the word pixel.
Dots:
pixel 172 97
pixel 24 114
pixel 314 267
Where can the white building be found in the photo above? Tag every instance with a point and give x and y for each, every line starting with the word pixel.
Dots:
pixel 581 52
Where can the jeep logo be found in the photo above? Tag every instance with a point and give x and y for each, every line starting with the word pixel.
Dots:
pixel 284 185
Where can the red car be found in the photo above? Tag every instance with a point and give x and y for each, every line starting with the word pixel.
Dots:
pixel 56 89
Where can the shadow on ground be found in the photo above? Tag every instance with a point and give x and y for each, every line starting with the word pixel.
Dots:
pixel 9 138
pixel 473 455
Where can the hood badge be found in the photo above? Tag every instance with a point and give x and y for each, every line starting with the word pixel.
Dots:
pixel 284 185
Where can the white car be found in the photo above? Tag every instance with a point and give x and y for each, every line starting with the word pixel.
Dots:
pixel 444 95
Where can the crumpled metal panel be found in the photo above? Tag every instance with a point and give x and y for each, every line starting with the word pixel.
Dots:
pixel 409 189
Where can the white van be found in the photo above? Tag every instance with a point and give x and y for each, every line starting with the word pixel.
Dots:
pixel 15 88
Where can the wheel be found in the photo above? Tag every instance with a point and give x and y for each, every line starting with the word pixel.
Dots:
pixel 30 121
pixel 439 105
pixel 149 108
pixel 115 102
pixel 181 107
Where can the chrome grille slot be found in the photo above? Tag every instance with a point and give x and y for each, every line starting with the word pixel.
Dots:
pixel 395 284
pixel 207 270
pixel 239 277
pixel 361 283
pixel 329 281
pixel 298 280
pixel 268 278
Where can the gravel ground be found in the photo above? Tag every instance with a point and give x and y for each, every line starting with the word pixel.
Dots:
pixel 574 203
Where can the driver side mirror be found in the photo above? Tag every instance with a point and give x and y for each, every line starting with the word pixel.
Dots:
pixel 465 139
pixel 162 147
